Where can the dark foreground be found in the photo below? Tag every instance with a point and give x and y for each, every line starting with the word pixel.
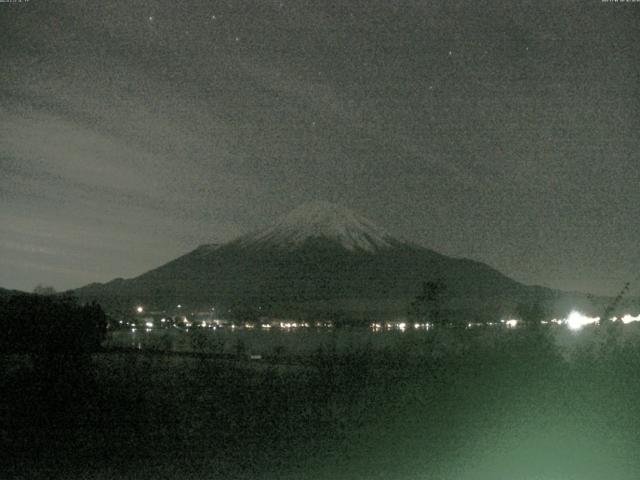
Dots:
pixel 444 406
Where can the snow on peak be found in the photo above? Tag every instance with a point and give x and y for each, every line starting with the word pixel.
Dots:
pixel 323 220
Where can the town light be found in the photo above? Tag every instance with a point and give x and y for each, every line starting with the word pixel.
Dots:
pixel 629 318
pixel 139 309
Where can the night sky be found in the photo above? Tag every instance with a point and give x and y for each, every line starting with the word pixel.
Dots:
pixel 507 132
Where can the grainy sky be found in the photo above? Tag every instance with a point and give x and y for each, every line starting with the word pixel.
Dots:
pixel 507 132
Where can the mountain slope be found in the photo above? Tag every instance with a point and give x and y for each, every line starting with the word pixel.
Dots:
pixel 318 257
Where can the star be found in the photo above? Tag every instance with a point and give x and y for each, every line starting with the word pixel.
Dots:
pixel 151 18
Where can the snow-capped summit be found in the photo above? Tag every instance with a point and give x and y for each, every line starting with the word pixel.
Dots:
pixel 323 220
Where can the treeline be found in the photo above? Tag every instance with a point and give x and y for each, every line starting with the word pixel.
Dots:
pixel 32 323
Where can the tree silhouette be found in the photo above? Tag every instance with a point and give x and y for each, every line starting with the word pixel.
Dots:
pixel 428 306
pixel 532 312
pixel 45 324
pixel 41 289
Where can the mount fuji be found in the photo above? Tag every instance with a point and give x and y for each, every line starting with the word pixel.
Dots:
pixel 318 259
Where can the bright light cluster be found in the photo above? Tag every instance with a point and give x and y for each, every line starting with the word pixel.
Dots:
pixel 576 320
pixel 512 323
pixel 627 319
